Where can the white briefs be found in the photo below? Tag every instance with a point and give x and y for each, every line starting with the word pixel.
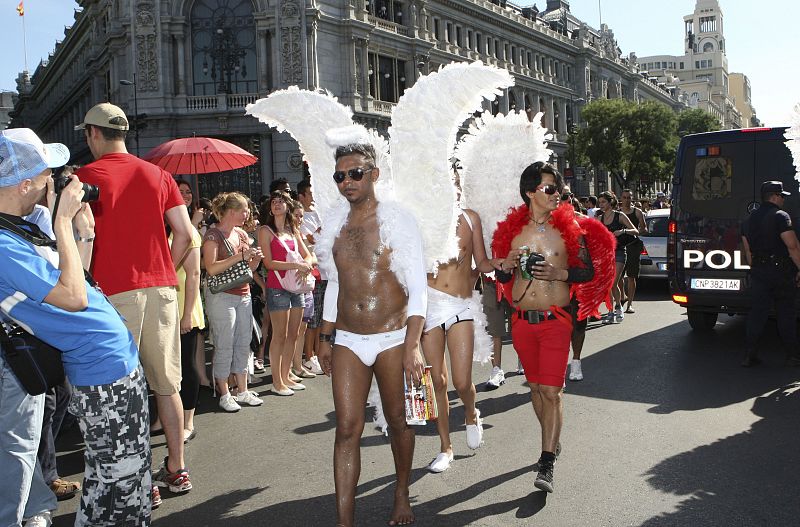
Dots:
pixel 367 347
pixel 444 310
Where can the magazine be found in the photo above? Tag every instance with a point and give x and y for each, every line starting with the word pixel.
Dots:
pixel 420 400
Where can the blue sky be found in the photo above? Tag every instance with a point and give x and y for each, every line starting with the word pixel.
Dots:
pixel 757 43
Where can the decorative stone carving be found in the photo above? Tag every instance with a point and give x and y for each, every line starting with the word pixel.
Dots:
pixel 291 44
pixel 295 161
pixel 146 48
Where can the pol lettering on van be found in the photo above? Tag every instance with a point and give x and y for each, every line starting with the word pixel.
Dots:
pixel 716 259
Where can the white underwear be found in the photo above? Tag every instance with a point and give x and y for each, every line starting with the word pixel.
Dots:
pixel 367 347
pixel 445 310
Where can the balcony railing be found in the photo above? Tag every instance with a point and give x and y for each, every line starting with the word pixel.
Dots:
pixel 388 26
pixel 220 102
pixel 383 107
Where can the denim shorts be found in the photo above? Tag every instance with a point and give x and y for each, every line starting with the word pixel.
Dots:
pixel 281 299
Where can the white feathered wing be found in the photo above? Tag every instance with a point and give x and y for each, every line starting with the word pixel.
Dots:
pixel 425 124
pixel 307 116
pixel 792 135
pixel 493 154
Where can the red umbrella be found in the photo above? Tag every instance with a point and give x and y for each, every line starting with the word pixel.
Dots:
pixel 199 155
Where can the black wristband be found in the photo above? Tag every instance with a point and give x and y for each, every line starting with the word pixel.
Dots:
pixel 325 338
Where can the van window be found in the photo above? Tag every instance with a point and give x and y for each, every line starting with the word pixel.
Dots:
pixel 657 226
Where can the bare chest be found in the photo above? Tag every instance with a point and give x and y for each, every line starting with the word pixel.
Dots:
pixel 359 246
pixel 547 242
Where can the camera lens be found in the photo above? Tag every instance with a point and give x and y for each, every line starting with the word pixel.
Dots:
pixel 90 192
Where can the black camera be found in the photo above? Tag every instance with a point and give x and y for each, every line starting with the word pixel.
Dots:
pixel 90 192
pixel 531 261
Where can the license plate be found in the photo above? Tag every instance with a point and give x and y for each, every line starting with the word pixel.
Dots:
pixel 662 266
pixel 715 283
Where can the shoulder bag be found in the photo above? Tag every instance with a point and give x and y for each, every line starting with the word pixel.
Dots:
pixel 236 275
pixel 289 280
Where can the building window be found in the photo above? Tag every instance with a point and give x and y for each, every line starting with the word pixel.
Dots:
pixel 436 30
pixel 681 65
pixel 448 32
pixel 512 101
pixel 459 42
pixel 387 77
pixel 529 107
pixel 223 47
pixel 697 64
pixel 386 9
pixel 708 47
pixel 496 49
pixel 478 42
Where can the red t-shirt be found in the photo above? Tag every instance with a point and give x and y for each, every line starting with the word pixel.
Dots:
pixel 131 249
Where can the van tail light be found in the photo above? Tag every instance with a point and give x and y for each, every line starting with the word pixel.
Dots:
pixel 672 232
pixel 680 299
pixel 644 251
pixel 760 129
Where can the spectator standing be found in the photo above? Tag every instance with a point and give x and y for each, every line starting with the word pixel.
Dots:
pixel 54 303
pixel 229 312
pixel 285 308
pixel 135 265
pixel 660 202
pixel 310 229
pixel 618 224
pixel 633 247
pixel 591 206
pixel 299 371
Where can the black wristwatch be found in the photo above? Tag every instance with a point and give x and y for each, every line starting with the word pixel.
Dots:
pixel 325 338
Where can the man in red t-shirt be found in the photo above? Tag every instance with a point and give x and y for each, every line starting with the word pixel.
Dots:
pixel 135 266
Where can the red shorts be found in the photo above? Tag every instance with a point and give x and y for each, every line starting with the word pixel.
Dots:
pixel 543 349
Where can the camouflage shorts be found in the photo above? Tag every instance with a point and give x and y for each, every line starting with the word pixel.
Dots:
pixel 114 422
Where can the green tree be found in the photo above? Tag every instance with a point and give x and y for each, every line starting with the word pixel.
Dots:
pixel 601 139
pixel 696 121
pixel 649 141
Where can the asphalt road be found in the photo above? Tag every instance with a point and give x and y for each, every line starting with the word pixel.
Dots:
pixel 666 429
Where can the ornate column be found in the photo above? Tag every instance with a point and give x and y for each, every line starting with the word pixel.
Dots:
pixel 366 96
pixel 180 42
pixel 549 118
pixel 290 42
pixel 146 47
pixel 263 60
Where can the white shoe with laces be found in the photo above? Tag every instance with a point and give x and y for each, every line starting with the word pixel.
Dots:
pixel 43 519
pixel 475 432
pixel 441 462
pixel 575 372
pixel 313 366
pixel 249 398
pixel 228 403
pixel 496 378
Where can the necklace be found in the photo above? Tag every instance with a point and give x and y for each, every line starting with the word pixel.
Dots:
pixel 541 224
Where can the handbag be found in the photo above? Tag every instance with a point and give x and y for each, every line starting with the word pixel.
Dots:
pixel 289 280
pixel 36 364
pixel 236 275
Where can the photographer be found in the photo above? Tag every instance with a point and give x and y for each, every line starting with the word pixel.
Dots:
pixel 545 251
pixel 43 291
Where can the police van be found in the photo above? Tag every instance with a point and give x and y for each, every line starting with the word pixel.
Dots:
pixel 717 183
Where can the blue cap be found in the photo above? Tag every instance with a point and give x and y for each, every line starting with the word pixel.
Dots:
pixel 24 156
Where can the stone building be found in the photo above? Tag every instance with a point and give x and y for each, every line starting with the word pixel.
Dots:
pixel 741 93
pixel 6 106
pixel 702 71
pixel 183 67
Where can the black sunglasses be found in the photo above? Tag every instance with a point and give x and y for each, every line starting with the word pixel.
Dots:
pixel 567 196
pixel 548 189
pixel 356 174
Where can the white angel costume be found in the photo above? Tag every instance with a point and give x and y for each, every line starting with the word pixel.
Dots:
pixel 792 135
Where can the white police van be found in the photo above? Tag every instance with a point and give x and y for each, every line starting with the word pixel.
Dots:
pixel 717 182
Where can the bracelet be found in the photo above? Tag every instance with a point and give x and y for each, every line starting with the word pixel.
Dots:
pixel 325 338
pixel 85 240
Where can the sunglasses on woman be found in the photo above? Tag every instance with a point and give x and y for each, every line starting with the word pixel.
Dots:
pixel 566 197
pixel 356 174
pixel 548 189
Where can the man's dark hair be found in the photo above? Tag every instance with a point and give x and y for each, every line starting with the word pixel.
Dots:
pixel 205 203
pixel 629 191
pixel 278 184
pixel 303 186
pixel 365 150
pixel 593 201
pixel 531 178
pixel 109 134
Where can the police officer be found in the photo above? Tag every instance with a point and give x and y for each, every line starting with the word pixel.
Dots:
pixel 773 252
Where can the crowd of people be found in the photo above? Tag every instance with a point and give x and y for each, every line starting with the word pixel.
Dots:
pixel 246 278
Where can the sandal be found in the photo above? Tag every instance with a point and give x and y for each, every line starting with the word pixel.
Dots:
pixel 64 489
pixel 630 310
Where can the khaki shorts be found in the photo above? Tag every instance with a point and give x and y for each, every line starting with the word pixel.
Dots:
pixel 151 315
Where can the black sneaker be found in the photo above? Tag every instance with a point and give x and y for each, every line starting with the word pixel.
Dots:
pixel 544 480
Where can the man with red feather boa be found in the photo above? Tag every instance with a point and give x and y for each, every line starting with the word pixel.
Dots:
pixel 576 268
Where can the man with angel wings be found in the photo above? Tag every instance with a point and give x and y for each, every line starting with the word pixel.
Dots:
pixel 376 252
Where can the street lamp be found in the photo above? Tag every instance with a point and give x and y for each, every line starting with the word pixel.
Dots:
pixel 125 82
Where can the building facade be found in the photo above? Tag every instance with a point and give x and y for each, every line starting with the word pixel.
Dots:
pixel 742 96
pixel 184 67
pixel 701 73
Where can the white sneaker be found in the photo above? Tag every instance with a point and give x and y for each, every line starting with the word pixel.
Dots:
pixel 441 463
pixel 496 378
pixel 619 316
pixel 43 519
pixel 575 372
pixel 228 403
pixel 475 432
pixel 608 318
pixel 313 366
pixel 249 398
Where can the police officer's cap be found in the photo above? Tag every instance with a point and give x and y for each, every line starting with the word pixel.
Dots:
pixel 773 187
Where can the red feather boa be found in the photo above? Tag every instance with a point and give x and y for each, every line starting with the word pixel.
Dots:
pixel 599 241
